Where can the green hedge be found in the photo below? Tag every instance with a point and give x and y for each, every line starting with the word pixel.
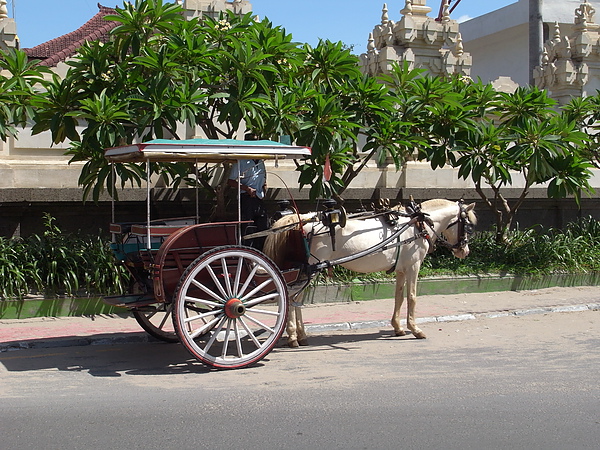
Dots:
pixel 55 263
pixel 534 251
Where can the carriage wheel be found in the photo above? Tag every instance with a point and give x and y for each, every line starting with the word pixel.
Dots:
pixel 156 320
pixel 230 307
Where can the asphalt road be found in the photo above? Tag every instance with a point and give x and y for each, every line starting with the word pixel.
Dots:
pixel 528 382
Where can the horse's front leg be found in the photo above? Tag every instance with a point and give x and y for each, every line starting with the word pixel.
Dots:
pixel 411 303
pixel 399 299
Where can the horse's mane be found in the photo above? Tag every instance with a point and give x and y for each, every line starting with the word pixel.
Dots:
pixel 437 203
pixel 276 240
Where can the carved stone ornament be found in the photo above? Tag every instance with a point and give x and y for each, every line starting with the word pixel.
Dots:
pixel 416 39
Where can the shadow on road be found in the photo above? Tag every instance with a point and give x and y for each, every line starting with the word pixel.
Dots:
pixel 131 354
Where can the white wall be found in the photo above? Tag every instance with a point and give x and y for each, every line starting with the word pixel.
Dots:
pixel 503 54
pixel 499 41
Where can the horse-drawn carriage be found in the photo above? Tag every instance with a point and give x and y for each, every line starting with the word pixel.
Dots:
pixel 226 302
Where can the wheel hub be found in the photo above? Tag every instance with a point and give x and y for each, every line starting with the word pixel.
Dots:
pixel 234 308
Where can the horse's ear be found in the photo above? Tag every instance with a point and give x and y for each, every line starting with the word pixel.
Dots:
pixel 470 207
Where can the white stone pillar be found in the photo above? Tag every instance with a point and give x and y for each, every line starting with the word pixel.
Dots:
pixel 8 29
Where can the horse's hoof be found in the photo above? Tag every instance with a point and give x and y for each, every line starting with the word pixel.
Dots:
pixel 303 342
pixel 401 333
pixel 293 344
pixel 420 335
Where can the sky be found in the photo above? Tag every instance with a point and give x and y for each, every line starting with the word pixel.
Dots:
pixel 349 21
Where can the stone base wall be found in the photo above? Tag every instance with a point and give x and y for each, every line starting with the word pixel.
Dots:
pixel 22 210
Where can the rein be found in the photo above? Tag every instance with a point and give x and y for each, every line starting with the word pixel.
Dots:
pixel 313 268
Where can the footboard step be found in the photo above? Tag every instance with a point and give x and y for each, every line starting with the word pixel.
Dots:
pixel 129 300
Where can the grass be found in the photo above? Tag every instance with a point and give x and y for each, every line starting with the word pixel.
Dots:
pixel 534 251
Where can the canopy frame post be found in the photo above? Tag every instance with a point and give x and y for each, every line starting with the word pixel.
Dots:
pixel 148 243
pixel 239 204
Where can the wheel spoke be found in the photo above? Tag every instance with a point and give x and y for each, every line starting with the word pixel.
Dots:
pixel 256 301
pixel 156 322
pixel 190 319
pixel 259 323
pixel 226 341
pixel 216 280
pixel 161 324
pixel 245 325
pixel 214 335
pixel 226 279
pixel 202 330
pixel 204 302
pixel 247 282
pixel 238 340
pixel 238 276
pixel 257 288
pixel 207 290
pixel 264 311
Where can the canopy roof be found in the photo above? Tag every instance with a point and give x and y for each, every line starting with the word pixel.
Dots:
pixel 204 150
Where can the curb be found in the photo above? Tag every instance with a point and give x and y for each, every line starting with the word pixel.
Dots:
pixel 142 337
pixel 342 326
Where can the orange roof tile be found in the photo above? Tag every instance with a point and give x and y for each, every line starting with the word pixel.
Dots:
pixel 59 49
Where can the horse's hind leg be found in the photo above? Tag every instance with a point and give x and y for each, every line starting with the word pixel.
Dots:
pixel 295 325
pixel 302 337
pixel 399 299
pixel 295 328
pixel 411 303
pixel 291 328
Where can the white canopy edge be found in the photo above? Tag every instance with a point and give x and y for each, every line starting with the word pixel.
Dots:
pixel 204 150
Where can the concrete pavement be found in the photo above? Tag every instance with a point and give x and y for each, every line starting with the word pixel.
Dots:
pixel 319 318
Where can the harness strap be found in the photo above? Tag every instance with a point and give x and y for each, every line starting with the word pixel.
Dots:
pixel 422 233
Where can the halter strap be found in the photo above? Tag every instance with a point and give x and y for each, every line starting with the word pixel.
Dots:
pixel 462 233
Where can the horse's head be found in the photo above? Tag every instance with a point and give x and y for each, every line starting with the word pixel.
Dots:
pixel 460 228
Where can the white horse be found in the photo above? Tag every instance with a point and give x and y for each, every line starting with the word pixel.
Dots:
pixel 449 221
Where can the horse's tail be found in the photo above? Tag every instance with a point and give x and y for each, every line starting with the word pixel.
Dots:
pixel 276 241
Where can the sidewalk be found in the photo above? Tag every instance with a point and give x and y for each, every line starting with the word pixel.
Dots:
pixel 323 317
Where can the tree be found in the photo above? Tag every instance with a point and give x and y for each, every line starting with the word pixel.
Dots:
pixel 490 137
pixel 159 71
pixel 19 90
pixel 585 112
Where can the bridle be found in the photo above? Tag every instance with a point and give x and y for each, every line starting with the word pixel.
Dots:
pixel 465 229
